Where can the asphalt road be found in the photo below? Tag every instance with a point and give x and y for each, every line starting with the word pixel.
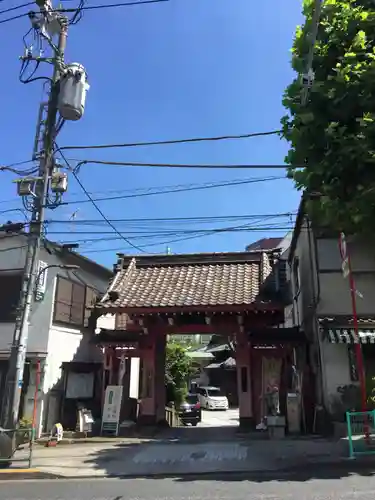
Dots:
pixel 217 418
pixel 332 487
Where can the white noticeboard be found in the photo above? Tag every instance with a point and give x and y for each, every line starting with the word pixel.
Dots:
pixel 41 284
pixel 112 408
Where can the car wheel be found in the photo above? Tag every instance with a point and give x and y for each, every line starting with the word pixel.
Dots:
pixel 194 424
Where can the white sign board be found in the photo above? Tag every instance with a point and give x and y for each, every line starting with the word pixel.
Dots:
pixel 41 283
pixel 112 408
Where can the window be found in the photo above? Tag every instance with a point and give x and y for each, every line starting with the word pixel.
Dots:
pixel 192 399
pixel 296 282
pixel 72 302
pixel 10 290
pixel 215 392
pixel 69 302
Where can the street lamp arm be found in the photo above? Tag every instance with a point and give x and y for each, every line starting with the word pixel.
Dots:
pixel 58 266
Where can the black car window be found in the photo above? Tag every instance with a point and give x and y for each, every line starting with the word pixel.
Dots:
pixel 192 399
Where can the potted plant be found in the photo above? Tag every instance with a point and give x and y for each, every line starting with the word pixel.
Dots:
pixel 24 431
pixel 348 398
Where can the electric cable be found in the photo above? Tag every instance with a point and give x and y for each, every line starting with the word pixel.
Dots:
pixel 12 248
pixel 78 14
pixel 91 7
pixel 21 173
pixel 243 228
pixel 15 210
pixel 193 220
pixel 182 165
pixel 16 7
pixel 98 208
pixel 104 217
pixel 167 242
pixel 114 5
pixel 8 19
pixel 155 190
pixel 171 191
pixel 173 141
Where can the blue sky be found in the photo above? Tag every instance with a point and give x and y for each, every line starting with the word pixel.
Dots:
pixel 186 68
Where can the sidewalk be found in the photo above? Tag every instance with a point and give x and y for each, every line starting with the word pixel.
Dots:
pixel 130 458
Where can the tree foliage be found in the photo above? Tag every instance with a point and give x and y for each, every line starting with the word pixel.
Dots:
pixel 332 136
pixel 178 368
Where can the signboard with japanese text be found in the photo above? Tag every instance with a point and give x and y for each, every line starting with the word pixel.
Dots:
pixel 41 282
pixel 112 408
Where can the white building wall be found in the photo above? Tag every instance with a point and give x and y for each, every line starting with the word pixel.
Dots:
pixel 336 370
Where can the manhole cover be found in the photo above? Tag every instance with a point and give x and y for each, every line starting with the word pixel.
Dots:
pixel 197 455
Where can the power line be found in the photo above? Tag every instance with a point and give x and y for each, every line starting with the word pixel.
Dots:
pixel 169 233
pixel 170 241
pixel 186 165
pixel 12 248
pixel 8 19
pixel 90 7
pixel 175 141
pixel 114 5
pixel 98 208
pixel 104 217
pixel 179 219
pixel 171 191
pixel 16 7
pixel 155 190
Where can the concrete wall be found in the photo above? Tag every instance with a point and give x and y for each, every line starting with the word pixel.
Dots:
pixel 304 298
pixel 335 292
pixel 322 283
pixel 336 370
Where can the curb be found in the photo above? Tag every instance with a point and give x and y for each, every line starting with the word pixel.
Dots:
pixel 22 474
pixel 74 441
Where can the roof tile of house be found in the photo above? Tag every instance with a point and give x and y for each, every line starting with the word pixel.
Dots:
pixel 176 285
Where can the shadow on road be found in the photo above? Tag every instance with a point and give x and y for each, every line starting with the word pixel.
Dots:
pixel 184 466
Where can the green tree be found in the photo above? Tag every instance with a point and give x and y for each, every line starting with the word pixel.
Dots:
pixel 178 368
pixel 332 136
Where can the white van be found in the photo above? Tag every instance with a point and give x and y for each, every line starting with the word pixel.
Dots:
pixel 212 398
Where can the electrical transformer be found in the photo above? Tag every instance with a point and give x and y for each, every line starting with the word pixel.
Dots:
pixel 59 182
pixel 72 95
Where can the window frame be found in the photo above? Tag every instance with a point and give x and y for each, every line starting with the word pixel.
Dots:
pixel 69 323
pixel 296 277
pixel 11 316
pixel 87 312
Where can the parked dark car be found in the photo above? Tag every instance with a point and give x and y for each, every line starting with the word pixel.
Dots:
pixel 190 410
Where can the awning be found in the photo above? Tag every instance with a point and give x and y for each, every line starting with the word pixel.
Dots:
pixel 348 336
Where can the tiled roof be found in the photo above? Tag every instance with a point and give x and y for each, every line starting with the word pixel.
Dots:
pixel 176 285
pixel 265 244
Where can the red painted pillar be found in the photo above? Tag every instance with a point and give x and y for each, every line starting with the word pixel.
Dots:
pixel 159 382
pixel 244 380
pixel 147 396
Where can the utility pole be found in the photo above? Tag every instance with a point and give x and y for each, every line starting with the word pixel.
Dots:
pixel 48 178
